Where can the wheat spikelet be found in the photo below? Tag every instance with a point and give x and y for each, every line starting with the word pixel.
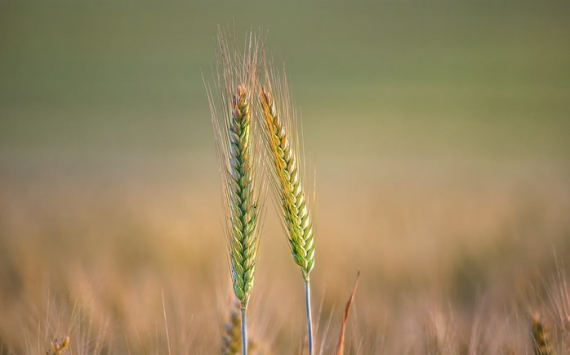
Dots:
pixel 296 216
pixel 540 337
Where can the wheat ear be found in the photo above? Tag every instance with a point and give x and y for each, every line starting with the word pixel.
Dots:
pixel 295 212
pixel 237 82
pixel 231 341
pixel 58 346
pixel 540 337
pixel 290 190
pixel 231 338
pixel 244 214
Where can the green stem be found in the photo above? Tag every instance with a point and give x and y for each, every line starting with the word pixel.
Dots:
pixel 243 331
pixel 309 316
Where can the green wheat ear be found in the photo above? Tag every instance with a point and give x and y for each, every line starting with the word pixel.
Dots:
pixel 236 73
pixel 243 215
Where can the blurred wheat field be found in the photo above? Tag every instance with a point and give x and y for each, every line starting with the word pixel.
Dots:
pixel 438 131
pixel 105 253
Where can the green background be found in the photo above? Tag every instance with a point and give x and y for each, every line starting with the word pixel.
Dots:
pixel 114 82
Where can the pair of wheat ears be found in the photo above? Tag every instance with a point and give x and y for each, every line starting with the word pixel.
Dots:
pixel 256 129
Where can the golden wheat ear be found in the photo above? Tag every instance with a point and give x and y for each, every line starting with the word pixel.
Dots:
pixel 541 343
pixel 58 346
pixel 231 340
pixel 279 122
pixel 237 149
pixel 291 194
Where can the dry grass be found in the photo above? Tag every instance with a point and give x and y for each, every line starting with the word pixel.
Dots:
pixel 341 338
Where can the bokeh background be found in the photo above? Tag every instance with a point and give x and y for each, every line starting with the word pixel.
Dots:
pixel 439 132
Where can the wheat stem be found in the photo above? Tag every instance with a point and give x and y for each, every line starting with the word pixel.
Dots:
pixel 309 315
pixel 244 331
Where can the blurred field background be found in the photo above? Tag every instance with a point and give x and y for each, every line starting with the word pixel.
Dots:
pixel 439 131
